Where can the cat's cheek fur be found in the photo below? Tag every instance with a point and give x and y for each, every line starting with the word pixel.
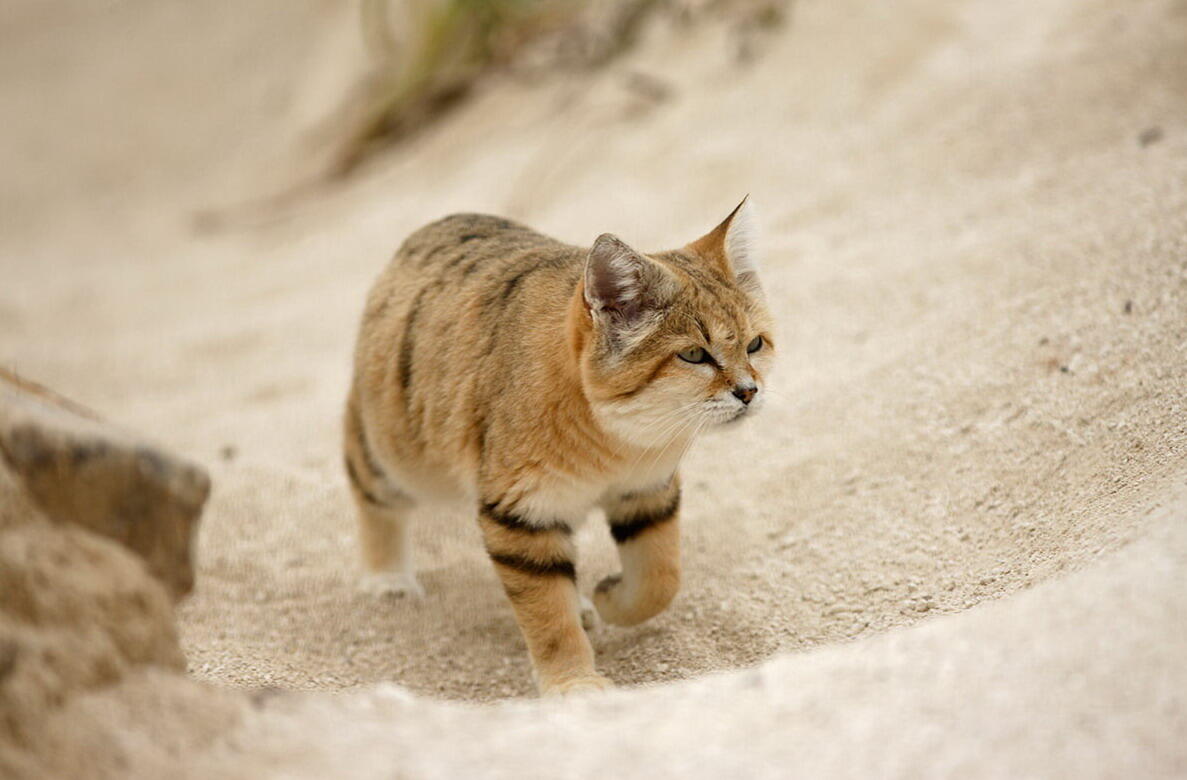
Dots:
pixel 663 413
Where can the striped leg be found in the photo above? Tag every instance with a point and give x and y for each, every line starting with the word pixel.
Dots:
pixel 535 564
pixel 648 535
pixel 384 533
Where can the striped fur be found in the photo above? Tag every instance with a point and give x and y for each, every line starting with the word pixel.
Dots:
pixel 645 526
pixel 543 377
pixel 632 523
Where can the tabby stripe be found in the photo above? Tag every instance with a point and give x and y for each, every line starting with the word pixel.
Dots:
pixel 408 343
pixel 517 523
pixel 633 524
pixel 376 471
pixel 495 305
pixel 369 458
pixel 510 283
pixel 536 568
pixel 462 256
pixel 367 495
pixel 472 266
pixel 514 273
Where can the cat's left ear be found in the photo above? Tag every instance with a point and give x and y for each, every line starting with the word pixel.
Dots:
pixel 622 285
pixel 733 246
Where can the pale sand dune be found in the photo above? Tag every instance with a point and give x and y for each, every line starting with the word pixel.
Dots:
pixel 976 228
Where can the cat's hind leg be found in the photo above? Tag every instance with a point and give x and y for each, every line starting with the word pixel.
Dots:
pixel 384 535
pixel 384 512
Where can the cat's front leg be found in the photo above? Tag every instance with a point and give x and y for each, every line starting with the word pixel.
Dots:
pixel 535 563
pixel 645 527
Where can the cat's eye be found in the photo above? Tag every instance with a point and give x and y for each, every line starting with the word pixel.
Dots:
pixel 755 345
pixel 694 355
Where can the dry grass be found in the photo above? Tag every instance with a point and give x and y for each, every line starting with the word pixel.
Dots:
pixel 429 53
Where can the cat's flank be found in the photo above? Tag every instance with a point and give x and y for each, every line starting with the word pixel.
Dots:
pixel 542 381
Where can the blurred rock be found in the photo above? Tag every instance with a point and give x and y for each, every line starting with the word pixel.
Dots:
pixel 82 471
pixel 79 612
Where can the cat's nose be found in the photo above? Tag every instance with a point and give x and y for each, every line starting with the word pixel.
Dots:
pixel 745 392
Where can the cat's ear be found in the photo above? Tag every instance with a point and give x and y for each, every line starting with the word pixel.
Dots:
pixel 733 245
pixel 622 287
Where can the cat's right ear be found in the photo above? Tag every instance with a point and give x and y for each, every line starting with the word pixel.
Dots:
pixel 623 289
pixel 733 246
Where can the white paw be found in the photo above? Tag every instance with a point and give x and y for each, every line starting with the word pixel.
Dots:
pixel 389 584
pixel 589 614
pixel 577 686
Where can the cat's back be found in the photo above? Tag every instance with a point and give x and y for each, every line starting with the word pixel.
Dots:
pixel 458 258
pixel 464 255
pixel 448 324
pixel 468 246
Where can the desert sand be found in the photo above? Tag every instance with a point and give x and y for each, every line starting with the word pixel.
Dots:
pixel 952 544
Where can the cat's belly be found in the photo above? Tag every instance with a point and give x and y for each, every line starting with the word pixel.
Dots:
pixel 434 482
pixel 539 491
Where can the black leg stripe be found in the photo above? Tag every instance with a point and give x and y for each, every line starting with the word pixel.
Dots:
pixel 408 344
pixel 536 568
pixel 516 523
pixel 367 495
pixel 376 471
pixel 628 527
pixel 369 458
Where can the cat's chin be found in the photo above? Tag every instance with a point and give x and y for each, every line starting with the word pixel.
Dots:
pixel 728 422
pixel 743 414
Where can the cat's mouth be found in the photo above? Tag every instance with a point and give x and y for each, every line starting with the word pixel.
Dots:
pixel 730 417
pixel 721 414
pixel 738 416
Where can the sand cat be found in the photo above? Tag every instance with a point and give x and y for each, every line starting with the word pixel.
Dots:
pixel 542 381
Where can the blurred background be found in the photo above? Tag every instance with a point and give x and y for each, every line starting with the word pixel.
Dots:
pixel 974 235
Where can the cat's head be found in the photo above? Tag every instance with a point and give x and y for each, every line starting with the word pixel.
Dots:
pixel 679 341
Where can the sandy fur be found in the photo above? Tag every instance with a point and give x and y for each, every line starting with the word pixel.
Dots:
pixel 545 381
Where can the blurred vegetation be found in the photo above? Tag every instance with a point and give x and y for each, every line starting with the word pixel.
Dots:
pixel 431 52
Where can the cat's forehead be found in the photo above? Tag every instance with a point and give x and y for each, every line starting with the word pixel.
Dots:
pixel 723 329
pixel 718 316
pixel 710 303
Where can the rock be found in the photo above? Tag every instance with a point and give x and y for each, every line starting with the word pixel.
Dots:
pixel 79 470
pixel 1151 135
pixel 96 533
pixel 77 613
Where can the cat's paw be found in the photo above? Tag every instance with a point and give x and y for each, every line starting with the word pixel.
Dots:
pixel 392 584
pixel 608 608
pixel 619 605
pixel 589 614
pixel 574 686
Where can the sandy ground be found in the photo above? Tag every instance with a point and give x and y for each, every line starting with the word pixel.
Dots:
pixel 976 245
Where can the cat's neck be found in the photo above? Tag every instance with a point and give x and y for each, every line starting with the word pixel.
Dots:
pixel 624 451
pixel 578 331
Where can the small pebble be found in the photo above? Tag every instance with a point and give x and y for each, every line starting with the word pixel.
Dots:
pixel 1151 135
